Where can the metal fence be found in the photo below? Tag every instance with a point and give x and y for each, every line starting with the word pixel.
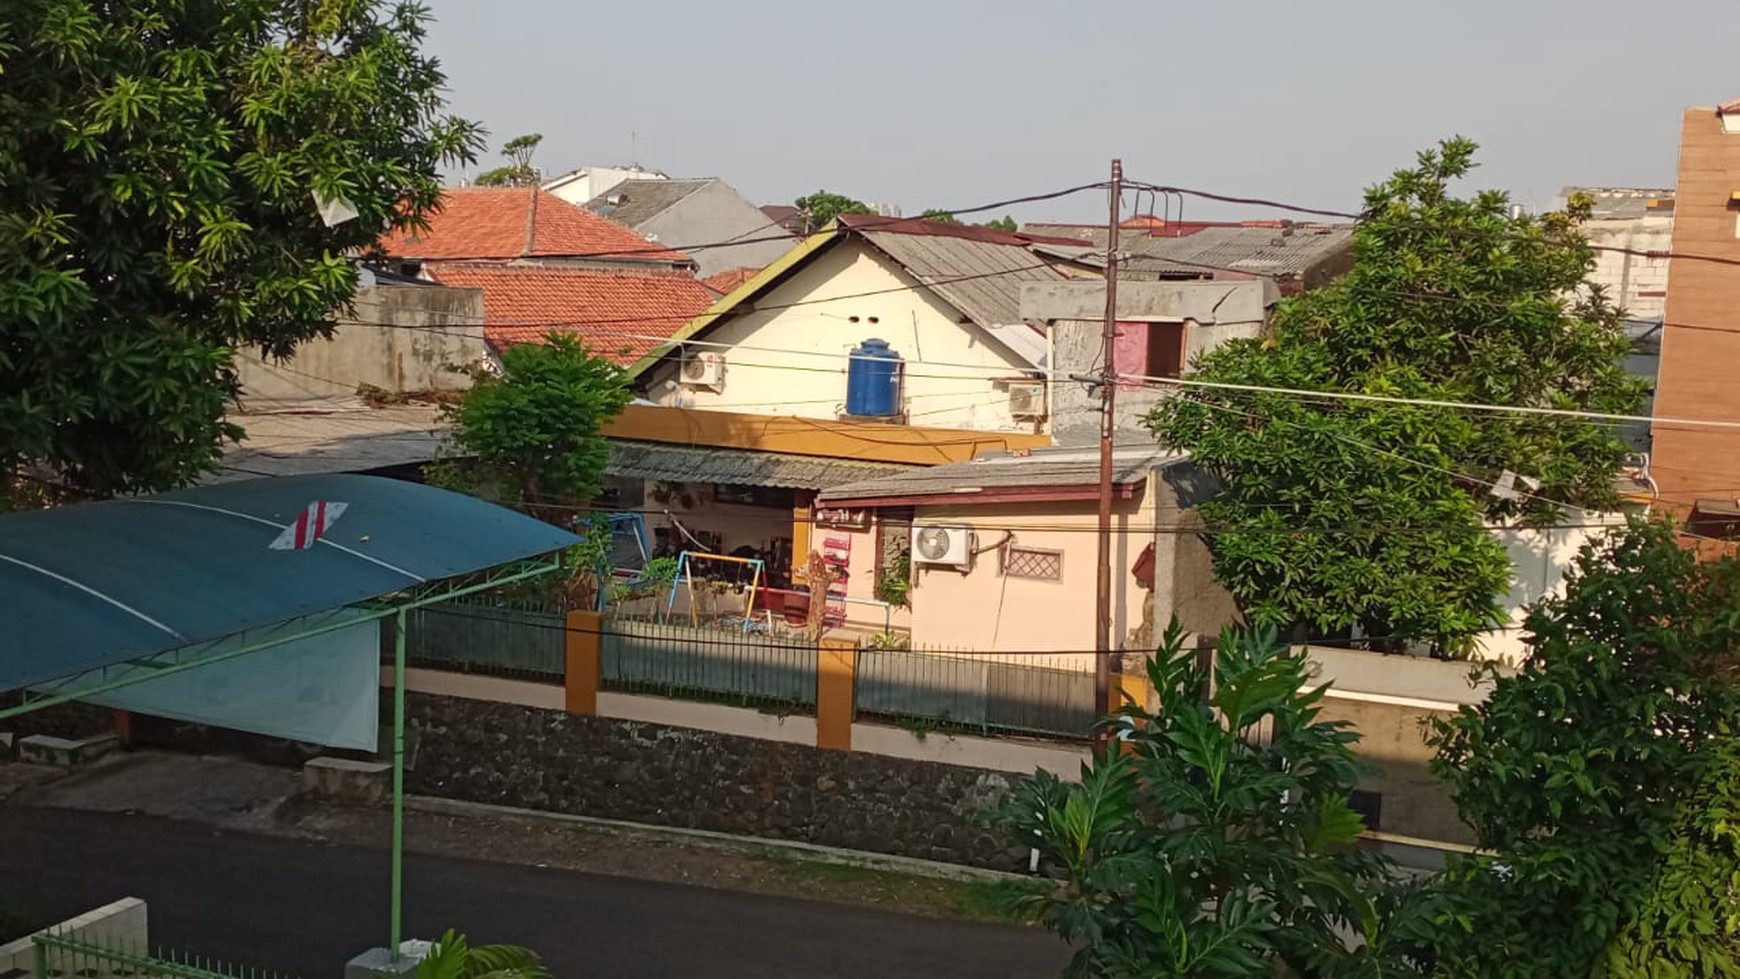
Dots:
pixel 726 665
pixel 959 690
pixel 62 957
pixel 474 637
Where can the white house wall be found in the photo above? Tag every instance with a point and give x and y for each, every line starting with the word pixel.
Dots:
pixel 792 360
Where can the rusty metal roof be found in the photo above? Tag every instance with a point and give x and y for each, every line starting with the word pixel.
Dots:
pixel 1054 467
pixel 705 464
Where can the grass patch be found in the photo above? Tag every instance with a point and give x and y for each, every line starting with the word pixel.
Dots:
pixel 972 900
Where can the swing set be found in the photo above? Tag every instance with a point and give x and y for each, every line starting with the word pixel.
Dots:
pixel 686 579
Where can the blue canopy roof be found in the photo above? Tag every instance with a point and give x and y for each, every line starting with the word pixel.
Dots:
pixel 95 584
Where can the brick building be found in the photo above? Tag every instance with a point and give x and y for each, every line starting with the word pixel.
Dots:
pixel 1698 467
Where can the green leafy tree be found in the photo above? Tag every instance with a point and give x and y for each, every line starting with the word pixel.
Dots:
pixel 1216 843
pixel 455 958
pixel 821 208
pixel 1340 514
pixel 1004 223
pixel 519 172
pixel 941 217
pixel 1582 774
pixel 160 164
pixel 532 435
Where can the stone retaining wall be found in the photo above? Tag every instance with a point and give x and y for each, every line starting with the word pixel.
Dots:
pixel 544 759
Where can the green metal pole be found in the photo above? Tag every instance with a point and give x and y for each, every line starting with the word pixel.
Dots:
pixel 398 781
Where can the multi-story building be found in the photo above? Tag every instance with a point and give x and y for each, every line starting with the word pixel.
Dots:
pixel 1697 467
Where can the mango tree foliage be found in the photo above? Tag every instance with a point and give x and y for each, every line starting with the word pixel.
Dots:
pixel 532 435
pixel 1214 840
pixel 1600 777
pixel 1340 514
pixel 160 163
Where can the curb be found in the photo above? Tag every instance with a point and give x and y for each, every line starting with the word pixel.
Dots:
pixel 813 852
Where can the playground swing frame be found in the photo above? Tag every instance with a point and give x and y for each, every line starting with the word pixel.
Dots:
pixel 686 576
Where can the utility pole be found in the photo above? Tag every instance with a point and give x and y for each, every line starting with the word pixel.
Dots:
pixel 1108 428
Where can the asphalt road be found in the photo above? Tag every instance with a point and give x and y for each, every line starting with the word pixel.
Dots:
pixel 306 908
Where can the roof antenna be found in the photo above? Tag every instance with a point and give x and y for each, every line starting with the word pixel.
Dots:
pixel 633 150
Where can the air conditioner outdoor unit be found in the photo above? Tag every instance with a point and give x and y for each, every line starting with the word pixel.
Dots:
pixel 1027 400
pixel 705 369
pixel 948 546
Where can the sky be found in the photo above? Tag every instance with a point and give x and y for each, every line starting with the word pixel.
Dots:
pixel 956 103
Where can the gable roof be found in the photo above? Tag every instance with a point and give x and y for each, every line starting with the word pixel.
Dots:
pixel 726 282
pixel 615 311
pixel 978 271
pixel 635 202
pixel 521 222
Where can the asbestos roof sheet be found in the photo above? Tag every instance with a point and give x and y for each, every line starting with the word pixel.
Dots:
pixel 635 202
pixel 336 437
pixel 1256 251
pixel 982 279
pixel 703 464
pixel 96 584
pixel 1041 468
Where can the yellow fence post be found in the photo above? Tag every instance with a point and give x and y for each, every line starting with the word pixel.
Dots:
pixel 583 661
pixel 836 683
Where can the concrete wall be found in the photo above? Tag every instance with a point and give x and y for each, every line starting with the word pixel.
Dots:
pixel 402 341
pixel 717 212
pixel 792 360
pixel 1540 559
pixel 1701 342
pixel 1635 283
pixel 1213 313
pixel 1393 747
pixel 121 926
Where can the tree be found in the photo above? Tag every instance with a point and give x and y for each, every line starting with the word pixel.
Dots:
pixel 160 165
pixel 1216 843
pixel 1004 223
pixel 1595 776
pixel 455 958
pixel 519 172
pixel 532 436
pixel 1342 514
pixel 821 208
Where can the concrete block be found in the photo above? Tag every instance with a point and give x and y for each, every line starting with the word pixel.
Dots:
pixel 377 962
pixel 8 745
pixel 120 925
pixel 43 749
pixel 361 783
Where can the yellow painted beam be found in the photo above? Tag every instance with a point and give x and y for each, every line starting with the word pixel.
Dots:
pixel 868 441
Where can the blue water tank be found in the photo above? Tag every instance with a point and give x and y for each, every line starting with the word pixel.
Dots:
pixel 873 372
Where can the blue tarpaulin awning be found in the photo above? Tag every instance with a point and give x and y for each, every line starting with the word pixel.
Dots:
pixel 96 584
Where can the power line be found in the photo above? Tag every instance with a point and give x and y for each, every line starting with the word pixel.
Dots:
pixel 1188 382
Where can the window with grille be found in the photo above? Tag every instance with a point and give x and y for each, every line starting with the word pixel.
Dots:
pixel 1033 562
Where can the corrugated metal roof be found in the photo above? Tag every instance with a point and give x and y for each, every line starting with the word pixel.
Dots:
pixel 331 437
pixel 1043 467
pixel 1625 202
pixel 704 464
pixel 1257 251
pixel 635 202
pixel 94 584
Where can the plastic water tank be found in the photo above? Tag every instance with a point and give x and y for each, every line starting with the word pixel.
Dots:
pixel 873 372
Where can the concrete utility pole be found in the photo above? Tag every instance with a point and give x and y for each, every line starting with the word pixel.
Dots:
pixel 1108 429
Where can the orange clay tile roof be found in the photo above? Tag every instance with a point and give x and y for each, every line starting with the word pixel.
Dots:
pixel 620 314
pixel 492 223
pixel 724 283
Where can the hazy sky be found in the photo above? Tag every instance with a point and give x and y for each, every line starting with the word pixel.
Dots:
pixel 950 103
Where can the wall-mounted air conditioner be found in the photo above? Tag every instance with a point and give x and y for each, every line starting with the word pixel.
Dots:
pixel 703 369
pixel 947 546
pixel 1027 400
